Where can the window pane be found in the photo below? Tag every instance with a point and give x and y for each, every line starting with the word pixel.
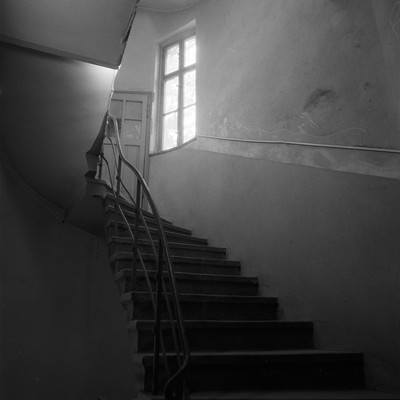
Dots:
pixel 190 51
pixel 171 59
pixel 132 129
pixel 133 110
pixel 110 128
pixel 171 95
pixel 170 131
pixel 189 123
pixel 189 88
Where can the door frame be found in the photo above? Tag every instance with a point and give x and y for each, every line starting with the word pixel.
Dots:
pixel 146 150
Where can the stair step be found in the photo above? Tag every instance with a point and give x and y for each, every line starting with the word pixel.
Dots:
pixel 123 260
pixel 118 244
pixel 229 335
pixel 171 234
pixel 268 370
pixel 207 307
pixel 287 395
pixel 130 215
pixel 110 219
pixel 192 283
pixel 127 206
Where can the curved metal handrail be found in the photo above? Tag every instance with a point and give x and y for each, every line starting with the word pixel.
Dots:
pixel 183 353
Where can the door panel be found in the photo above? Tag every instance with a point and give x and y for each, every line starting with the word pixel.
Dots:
pixel 132 111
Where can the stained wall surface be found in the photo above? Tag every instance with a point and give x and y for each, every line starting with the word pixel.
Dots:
pixel 63 333
pixel 317 221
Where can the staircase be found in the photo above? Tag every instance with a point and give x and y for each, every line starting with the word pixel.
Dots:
pixel 237 343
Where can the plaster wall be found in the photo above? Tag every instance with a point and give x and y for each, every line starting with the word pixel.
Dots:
pixel 90 30
pixel 315 71
pixel 326 243
pixel 63 334
pixel 138 67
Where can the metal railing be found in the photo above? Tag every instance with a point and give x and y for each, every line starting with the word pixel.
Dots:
pixel 164 298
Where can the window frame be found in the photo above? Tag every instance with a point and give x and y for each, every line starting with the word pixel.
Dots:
pixel 162 78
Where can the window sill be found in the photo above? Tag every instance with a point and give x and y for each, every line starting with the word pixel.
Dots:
pixel 156 153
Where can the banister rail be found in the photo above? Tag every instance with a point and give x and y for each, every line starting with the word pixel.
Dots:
pixel 165 284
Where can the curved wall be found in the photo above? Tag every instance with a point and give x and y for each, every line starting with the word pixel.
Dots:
pixel 51 110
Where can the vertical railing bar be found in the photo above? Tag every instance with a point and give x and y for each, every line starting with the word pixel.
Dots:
pixel 174 385
pixel 143 219
pixel 155 312
pixel 148 280
pixel 101 156
pixel 157 322
pixel 136 229
pixel 118 193
pixel 162 343
pixel 113 145
pixel 171 321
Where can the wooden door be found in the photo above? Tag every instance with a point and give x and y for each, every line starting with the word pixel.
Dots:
pixel 132 111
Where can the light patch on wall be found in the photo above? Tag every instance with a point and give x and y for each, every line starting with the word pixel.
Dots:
pixel 306 127
pixel 361 161
pixel 394 19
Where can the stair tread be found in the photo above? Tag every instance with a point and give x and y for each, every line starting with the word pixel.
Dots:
pixel 292 395
pixel 224 324
pixel 131 208
pixel 126 297
pixel 270 356
pixel 127 240
pixel 178 259
pixel 195 276
pixel 168 228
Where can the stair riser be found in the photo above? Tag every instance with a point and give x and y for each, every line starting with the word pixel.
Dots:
pixel 171 236
pixel 196 287
pixel 231 339
pixel 202 252
pixel 180 267
pixel 269 377
pixel 207 311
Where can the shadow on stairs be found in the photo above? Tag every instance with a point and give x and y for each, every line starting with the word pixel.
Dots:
pixel 239 348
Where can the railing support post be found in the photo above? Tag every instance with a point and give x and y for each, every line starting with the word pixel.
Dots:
pixel 136 230
pixel 157 326
pixel 175 388
pixel 119 169
pixel 101 156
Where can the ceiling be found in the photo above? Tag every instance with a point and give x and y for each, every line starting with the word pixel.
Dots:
pixel 166 5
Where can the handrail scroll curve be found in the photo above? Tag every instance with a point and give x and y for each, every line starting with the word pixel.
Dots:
pixel 161 284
